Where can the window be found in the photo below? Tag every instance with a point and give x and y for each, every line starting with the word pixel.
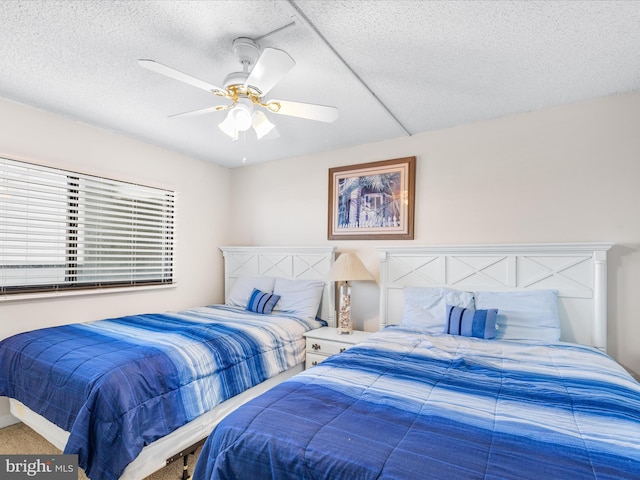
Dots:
pixel 63 230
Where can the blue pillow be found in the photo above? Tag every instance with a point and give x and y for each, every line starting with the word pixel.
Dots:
pixel 468 322
pixel 262 302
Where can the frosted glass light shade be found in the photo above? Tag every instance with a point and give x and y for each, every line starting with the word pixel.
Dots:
pixel 261 124
pixel 228 127
pixel 242 115
pixel 238 119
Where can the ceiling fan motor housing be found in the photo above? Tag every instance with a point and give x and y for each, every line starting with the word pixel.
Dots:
pixel 235 78
pixel 246 50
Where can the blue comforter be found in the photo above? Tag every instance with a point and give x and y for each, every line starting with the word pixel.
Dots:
pixel 117 385
pixel 406 405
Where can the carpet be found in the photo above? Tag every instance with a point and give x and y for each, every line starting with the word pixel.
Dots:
pixel 20 439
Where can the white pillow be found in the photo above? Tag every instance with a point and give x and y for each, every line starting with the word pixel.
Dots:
pixel 426 307
pixel 298 297
pixel 524 315
pixel 243 286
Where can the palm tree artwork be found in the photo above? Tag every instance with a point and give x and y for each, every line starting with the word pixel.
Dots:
pixel 369 201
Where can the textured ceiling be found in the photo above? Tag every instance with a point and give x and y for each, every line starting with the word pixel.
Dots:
pixel 391 67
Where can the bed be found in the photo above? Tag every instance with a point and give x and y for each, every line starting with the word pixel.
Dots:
pixel 520 386
pixel 131 394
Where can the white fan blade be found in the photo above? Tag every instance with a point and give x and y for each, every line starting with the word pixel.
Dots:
pixel 201 111
pixel 177 75
pixel 322 113
pixel 270 68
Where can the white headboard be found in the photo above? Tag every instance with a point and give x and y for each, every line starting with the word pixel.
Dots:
pixel 308 263
pixel 577 270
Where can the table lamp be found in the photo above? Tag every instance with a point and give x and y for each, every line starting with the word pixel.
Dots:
pixel 348 267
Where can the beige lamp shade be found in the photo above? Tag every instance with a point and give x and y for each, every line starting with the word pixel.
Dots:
pixel 348 267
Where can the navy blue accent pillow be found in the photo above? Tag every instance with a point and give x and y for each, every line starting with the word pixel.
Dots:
pixel 471 323
pixel 262 302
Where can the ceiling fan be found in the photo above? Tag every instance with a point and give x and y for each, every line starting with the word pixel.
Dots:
pixel 247 89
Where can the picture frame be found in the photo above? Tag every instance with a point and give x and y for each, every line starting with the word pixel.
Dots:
pixel 372 201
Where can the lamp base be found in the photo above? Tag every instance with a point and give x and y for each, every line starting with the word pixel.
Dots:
pixel 345 327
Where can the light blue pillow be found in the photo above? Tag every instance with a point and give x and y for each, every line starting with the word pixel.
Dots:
pixel 524 314
pixel 299 297
pixel 243 287
pixel 262 302
pixel 425 307
pixel 468 322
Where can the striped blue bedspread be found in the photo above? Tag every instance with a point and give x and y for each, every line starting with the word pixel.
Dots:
pixel 117 385
pixel 405 405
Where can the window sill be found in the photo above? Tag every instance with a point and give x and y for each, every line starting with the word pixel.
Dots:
pixel 74 293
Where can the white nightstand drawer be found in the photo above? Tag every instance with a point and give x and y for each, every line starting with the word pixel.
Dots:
pixel 313 359
pixel 324 342
pixel 325 347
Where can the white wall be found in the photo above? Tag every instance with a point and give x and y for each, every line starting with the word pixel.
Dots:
pixel 203 191
pixel 555 175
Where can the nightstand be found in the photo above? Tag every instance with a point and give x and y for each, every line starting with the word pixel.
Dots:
pixel 326 341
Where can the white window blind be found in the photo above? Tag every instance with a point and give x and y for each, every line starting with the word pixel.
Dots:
pixel 66 230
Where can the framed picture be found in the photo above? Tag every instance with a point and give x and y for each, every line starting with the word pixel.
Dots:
pixel 372 201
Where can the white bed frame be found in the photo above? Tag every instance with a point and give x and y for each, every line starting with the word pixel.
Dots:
pixel 289 262
pixel 577 270
pixel 309 263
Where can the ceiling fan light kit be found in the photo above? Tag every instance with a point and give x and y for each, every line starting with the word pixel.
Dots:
pixel 242 114
pixel 246 90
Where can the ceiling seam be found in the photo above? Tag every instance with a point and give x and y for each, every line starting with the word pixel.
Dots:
pixel 300 14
